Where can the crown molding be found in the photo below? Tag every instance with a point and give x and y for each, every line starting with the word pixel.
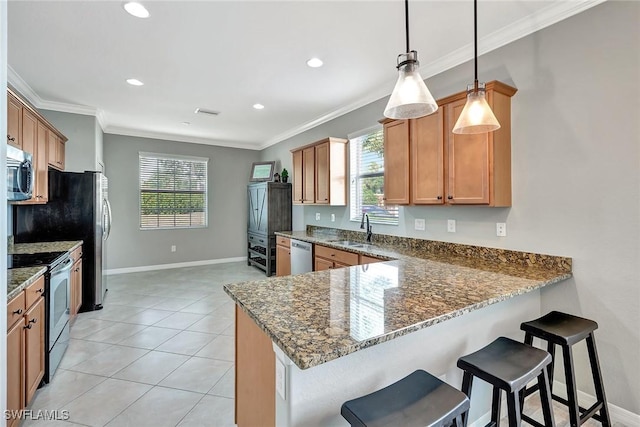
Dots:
pixel 117 130
pixel 550 15
pixel 523 27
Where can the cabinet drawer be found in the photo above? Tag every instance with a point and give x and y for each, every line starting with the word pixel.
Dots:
pixel 258 239
pixel 283 241
pixel 34 291
pixel 364 259
pixel 76 254
pixel 342 257
pixel 15 310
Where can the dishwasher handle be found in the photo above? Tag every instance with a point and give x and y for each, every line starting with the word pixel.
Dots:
pixel 301 246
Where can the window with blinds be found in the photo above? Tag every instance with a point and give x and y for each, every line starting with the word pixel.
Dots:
pixel 367 179
pixel 173 191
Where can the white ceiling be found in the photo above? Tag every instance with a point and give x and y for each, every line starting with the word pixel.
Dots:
pixel 228 55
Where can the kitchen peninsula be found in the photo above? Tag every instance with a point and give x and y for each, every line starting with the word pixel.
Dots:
pixel 342 333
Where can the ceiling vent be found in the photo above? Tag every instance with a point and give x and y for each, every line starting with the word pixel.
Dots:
pixel 205 111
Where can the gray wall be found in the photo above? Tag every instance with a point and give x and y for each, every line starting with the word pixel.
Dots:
pixel 225 237
pixel 84 145
pixel 576 175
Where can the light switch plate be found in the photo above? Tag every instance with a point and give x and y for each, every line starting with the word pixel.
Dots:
pixel 281 379
pixel 501 229
pixel 317 216
pixel 333 217
pixel 419 224
pixel 451 226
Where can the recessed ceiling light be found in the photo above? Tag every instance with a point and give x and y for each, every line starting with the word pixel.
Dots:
pixel 186 123
pixel 258 106
pixel 315 62
pixel 134 82
pixel 136 9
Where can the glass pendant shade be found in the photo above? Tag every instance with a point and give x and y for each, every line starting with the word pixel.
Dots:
pixel 411 97
pixel 476 116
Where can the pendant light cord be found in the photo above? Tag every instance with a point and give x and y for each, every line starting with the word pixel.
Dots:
pixel 475 44
pixel 406 21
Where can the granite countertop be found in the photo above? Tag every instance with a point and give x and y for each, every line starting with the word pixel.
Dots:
pixel 20 278
pixel 39 247
pixel 320 316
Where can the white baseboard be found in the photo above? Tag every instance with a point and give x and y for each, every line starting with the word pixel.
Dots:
pixel 617 414
pixel 174 265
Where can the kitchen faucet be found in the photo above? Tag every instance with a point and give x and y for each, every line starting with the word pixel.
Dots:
pixel 369 227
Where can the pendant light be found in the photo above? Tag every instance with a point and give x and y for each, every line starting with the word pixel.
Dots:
pixel 476 116
pixel 410 98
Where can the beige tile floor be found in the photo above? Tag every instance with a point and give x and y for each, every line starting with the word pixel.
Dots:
pixel 161 354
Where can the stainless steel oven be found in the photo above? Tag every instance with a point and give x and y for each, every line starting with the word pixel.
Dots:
pixel 59 305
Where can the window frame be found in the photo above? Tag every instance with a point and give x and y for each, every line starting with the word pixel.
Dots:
pixel 174 157
pixel 355 138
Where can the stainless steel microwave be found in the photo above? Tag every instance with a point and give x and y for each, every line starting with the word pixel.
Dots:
pixel 19 174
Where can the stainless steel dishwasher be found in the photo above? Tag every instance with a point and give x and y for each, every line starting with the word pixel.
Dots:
pixel 301 257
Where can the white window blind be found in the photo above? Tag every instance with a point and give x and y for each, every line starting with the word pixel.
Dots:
pixel 367 179
pixel 173 191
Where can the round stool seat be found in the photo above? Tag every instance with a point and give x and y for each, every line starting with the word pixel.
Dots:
pixel 560 328
pixel 506 363
pixel 419 399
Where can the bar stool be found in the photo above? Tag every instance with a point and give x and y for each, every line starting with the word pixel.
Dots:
pixel 566 330
pixel 419 399
pixel 509 365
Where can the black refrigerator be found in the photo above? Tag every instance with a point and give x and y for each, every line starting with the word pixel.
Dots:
pixel 78 209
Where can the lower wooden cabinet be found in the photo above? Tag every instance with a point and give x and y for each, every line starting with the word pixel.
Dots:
pixel 283 258
pixel 25 347
pixel 327 258
pixel 76 282
pixel 364 259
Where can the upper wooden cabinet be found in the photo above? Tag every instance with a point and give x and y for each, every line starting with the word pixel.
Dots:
pixel 446 168
pixel 396 162
pixel 320 173
pixel 28 130
pixel 56 151
pixel 14 121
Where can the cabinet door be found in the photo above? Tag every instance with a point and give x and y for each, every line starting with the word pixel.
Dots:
pixel 41 165
pixel 258 215
pixel 468 164
pixel 14 121
pixel 396 162
pixel 76 288
pixel 30 144
pixel 60 153
pixel 321 264
pixel 322 173
pixel 15 370
pixel 283 261
pixel 53 149
pixel 34 348
pixel 308 173
pixel 427 159
pixel 298 181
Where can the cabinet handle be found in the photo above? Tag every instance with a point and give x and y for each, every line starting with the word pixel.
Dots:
pixel 10 138
pixel 439 197
pixel 450 197
pixel 27 327
pixel 326 199
pixel 18 311
pixel 41 290
pixel 34 320
pixel 333 254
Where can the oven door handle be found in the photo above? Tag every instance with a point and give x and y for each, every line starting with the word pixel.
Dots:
pixel 64 267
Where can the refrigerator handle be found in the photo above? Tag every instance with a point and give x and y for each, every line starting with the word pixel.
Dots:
pixel 107 229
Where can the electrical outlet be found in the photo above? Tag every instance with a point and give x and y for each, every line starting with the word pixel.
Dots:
pixel 451 226
pixel 333 217
pixel 173 248
pixel 317 216
pixel 419 224
pixel 501 229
